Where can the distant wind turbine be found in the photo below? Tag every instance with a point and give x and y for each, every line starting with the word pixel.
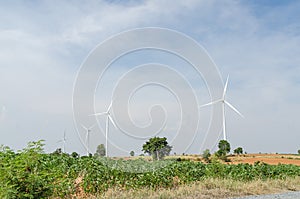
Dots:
pixel 87 138
pixel 63 140
pixel 3 113
pixel 107 113
pixel 223 101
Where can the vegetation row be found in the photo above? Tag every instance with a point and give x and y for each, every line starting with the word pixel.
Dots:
pixel 31 173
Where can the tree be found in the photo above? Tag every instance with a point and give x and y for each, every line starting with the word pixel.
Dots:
pixel 75 155
pixel 157 147
pixel 131 153
pixel 299 151
pixel 238 151
pixel 206 155
pixel 100 150
pixel 224 148
pixel 58 151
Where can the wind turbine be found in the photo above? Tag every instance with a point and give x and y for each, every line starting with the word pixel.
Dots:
pixel 63 141
pixel 223 101
pixel 3 112
pixel 87 138
pixel 107 113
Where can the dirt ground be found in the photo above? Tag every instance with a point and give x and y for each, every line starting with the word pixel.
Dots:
pixel 273 159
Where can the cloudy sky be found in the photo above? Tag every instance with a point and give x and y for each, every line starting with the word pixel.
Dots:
pixel 44 43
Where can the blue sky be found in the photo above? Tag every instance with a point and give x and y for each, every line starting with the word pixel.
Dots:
pixel 43 44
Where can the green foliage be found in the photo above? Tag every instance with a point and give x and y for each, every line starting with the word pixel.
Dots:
pixel 75 155
pixel 57 151
pixel 224 148
pixel 100 150
pixel 299 151
pixel 206 155
pixel 131 153
pixel 157 147
pixel 238 151
pixel 30 173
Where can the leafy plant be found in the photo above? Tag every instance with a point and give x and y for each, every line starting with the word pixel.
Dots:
pixel 131 153
pixel 238 151
pixel 101 151
pixel 157 147
pixel 206 155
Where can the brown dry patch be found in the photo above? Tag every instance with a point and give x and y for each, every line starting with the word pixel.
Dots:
pixel 272 159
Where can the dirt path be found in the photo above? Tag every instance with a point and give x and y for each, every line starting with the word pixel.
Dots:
pixel 288 195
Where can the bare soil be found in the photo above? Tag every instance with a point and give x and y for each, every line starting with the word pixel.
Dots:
pixel 272 159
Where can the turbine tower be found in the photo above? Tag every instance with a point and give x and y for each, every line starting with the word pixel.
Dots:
pixel 223 101
pixel 63 140
pixel 3 113
pixel 107 113
pixel 87 138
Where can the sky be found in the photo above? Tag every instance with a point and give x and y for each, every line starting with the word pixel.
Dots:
pixel 45 43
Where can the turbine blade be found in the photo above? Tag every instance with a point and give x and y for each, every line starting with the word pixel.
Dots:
pixel 86 137
pixel 210 103
pixel 83 127
pixel 92 126
pixel 110 105
pixel 233 108
pixel 112 121
pixel 225 87
pixel 95 114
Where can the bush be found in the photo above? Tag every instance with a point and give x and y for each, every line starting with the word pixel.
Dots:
pixel 206 155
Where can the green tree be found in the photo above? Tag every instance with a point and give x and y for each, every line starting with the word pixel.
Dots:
pixel 101 151
pixel 224 149
pixel 206 155
pixel 75 155
pixel 224 146
pixel 157 147
pixel 131 153
pixel 58 151
pixel 299 151
pixel 238 151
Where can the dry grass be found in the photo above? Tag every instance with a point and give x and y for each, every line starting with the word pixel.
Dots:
pixel 209 189
pixel 273 159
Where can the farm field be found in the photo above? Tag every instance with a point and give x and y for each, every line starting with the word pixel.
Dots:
pixel 31 173
pixel 272 159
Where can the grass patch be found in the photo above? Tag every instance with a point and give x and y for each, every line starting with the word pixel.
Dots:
pixel 210 189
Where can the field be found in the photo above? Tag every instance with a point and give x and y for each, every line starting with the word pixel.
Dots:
pixel 30 173
pixel 272 159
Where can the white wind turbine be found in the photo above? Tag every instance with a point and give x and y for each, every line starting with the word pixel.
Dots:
pixel 63 140
pixel 87 138
pixel 107 113
pixel 3 112
pixel 223 101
